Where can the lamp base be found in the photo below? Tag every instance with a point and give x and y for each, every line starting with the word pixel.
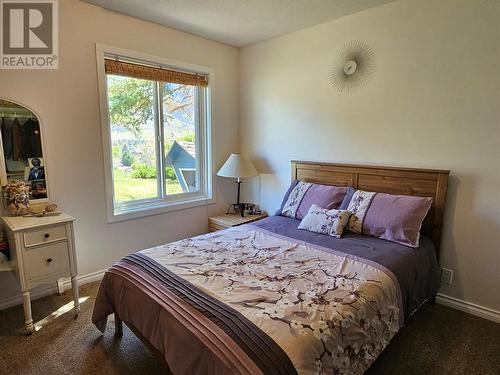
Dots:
pixel 238 207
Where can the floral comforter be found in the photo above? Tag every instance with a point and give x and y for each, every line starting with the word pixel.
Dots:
pixel 258 302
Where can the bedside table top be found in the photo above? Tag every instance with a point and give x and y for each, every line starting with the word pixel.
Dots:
pixel 231 220
pixel 17 223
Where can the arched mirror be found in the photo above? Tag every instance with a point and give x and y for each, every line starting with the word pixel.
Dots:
pixel 21 155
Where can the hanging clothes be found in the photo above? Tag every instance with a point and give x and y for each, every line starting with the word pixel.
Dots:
pixel 17 140
pixel 7 137
pixel 32 144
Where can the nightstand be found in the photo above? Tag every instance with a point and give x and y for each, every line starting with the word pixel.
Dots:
pixel 42 250
pixel 231 220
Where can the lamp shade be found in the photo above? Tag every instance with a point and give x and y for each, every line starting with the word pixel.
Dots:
pixel 237 166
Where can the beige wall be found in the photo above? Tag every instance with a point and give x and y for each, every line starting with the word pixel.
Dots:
pixel 434 102
pixel 67 102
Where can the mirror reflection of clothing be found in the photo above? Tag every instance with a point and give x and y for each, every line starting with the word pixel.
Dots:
pixel 7 137
pixel 17 140
pixel 32 145
pixel 21 141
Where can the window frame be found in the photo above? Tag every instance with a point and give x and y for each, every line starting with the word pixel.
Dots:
pixel 203 129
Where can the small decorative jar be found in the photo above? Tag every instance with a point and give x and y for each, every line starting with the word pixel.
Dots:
pixel 16 198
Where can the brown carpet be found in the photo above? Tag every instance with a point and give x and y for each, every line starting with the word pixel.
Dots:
pixel 437 340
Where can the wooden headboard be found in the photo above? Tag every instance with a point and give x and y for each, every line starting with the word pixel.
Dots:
pixel 394 180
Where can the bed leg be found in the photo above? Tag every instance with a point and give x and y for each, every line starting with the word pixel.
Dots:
pixel 118 326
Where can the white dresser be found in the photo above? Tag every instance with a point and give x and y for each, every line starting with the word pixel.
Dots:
pixel 42 250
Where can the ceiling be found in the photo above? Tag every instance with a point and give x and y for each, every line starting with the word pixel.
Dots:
pixel 238 22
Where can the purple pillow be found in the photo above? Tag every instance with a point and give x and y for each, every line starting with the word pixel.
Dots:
pixel 347 198
pixel 285 198
pixel 324 196
pixel 305 194
pixel 396 218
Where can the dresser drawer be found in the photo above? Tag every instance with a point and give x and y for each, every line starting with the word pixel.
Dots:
pixel 46 260
pixel 45 235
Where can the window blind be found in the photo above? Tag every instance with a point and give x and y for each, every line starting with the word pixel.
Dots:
pixel 127 69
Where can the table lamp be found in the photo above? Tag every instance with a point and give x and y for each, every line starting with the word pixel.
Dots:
pixel 237 166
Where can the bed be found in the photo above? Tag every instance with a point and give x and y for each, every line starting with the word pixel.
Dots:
pixel 268 298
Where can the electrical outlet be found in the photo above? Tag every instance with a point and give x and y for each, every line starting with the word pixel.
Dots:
pixel 446 276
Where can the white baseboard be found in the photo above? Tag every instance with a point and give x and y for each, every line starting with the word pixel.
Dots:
pixel 469 307
pixel 47 290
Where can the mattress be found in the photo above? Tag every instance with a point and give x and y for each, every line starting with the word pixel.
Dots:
pixel 268 298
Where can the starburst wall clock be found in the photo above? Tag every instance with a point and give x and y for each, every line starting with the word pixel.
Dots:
pixel 353 66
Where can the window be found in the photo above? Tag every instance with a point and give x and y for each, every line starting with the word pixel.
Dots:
pixel 156 128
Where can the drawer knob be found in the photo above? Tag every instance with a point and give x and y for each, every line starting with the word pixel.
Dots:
pixel 46 235
pixel 49 260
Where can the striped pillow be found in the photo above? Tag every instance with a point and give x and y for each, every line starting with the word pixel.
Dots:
pixel 396 218
pixel 305 194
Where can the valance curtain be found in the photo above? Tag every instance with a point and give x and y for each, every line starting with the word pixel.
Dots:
pixel 127 69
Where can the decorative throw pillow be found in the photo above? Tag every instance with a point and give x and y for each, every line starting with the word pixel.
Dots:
pixel 305 194
pixel 396 218
pixel 321 220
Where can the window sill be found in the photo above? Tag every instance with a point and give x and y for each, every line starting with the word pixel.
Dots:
pixel 157 207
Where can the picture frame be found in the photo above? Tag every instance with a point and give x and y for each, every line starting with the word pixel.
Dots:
pixel 35 169
pixel 38 189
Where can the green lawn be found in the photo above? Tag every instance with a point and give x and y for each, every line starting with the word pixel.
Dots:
pixel 128 188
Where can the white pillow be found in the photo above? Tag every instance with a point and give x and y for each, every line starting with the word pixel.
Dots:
pixel 321 220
